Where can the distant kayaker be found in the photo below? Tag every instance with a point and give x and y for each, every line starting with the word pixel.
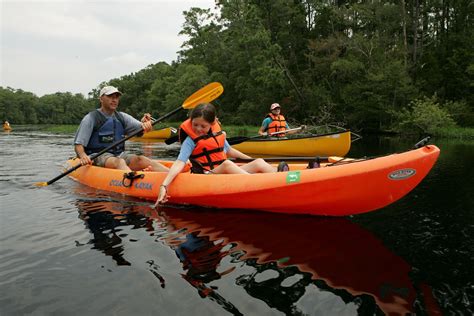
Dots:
pixel 276 122
pixel 104 126
pixel 6 126
pixel 205 145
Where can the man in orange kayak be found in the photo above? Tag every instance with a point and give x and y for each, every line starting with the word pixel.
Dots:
pixel 103 127
pixel 275 122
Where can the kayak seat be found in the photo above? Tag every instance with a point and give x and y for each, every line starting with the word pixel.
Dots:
pixel 282 167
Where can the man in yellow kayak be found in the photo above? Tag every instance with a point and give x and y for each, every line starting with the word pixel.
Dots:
pixel 275 123
pixel 103 127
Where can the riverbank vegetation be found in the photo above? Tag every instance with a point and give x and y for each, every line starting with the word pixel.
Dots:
pixel 397 66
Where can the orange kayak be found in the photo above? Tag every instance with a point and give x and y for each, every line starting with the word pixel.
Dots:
pixel 335 189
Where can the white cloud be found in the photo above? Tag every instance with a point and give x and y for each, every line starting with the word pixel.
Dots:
pixel 64 45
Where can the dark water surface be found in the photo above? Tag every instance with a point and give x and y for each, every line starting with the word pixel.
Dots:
pixel 67 249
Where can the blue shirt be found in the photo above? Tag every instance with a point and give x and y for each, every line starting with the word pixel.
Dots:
pixel 188 146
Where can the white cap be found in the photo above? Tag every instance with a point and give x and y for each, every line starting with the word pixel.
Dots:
pixel 108 90
pixel 274 106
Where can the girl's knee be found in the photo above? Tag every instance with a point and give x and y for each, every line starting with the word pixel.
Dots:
pixel 227 165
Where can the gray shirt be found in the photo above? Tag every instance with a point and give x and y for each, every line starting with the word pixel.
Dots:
pixel 86 127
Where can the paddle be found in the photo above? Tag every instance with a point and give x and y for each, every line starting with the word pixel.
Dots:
pixel 203 95
pixel 238 139
pixel 276 159
pixel 331 159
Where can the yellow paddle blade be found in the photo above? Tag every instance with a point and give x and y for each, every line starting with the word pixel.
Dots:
pixel 203 95
pixel 41 184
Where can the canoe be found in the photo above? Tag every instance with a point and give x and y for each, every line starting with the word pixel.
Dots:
pixel 333 144
pixel 163 133
pixel 335 189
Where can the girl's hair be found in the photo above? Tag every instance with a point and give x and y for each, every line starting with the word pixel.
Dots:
pixel 205 110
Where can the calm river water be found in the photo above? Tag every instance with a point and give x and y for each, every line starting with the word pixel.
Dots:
pixel 67 249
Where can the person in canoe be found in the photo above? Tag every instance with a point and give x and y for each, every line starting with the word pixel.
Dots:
pixel 6 126
pixel 204 144
pixel 104 126
pixel 275 122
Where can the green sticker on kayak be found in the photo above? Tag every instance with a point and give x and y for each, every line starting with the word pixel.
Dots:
pixel 293 177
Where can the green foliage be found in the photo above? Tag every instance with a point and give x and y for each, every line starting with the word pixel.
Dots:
pixel 460 111
pixel 425 116
pixel 463 133
pixel 355 63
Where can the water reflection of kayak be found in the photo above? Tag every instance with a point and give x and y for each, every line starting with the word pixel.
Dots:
pixel 332 255
pixel 335 250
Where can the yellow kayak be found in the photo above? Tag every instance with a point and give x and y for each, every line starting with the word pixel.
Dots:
pixel 163 133
pixel 333 144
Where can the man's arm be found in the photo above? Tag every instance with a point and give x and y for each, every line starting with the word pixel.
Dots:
pixel 263 128
pixel 81 154
pixel 132 124
pixel 82 138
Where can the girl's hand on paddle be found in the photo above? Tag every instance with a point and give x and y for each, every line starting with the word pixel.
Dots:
pixel 162 196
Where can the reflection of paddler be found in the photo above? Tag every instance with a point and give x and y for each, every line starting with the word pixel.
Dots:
pixel 6 126
pixel 336 251
pixel 104 224
pixel 200 257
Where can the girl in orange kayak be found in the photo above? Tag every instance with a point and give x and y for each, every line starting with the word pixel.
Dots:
pixel 204 144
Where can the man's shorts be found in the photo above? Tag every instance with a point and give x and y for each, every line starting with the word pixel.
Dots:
pixel 100 161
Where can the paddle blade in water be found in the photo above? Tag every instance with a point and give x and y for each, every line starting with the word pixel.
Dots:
pixel 203 95
pixel 41 184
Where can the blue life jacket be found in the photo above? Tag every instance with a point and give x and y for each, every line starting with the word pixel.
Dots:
pixel 107 130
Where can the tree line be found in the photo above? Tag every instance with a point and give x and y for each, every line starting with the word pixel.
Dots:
pixel 367 65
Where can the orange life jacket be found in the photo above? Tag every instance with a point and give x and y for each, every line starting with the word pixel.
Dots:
pixel 278 124
pixel 209 150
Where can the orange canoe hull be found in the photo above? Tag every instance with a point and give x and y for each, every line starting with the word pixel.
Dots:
pixel 338 190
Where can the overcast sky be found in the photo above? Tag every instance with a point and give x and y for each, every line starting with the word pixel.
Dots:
pixel 74 45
